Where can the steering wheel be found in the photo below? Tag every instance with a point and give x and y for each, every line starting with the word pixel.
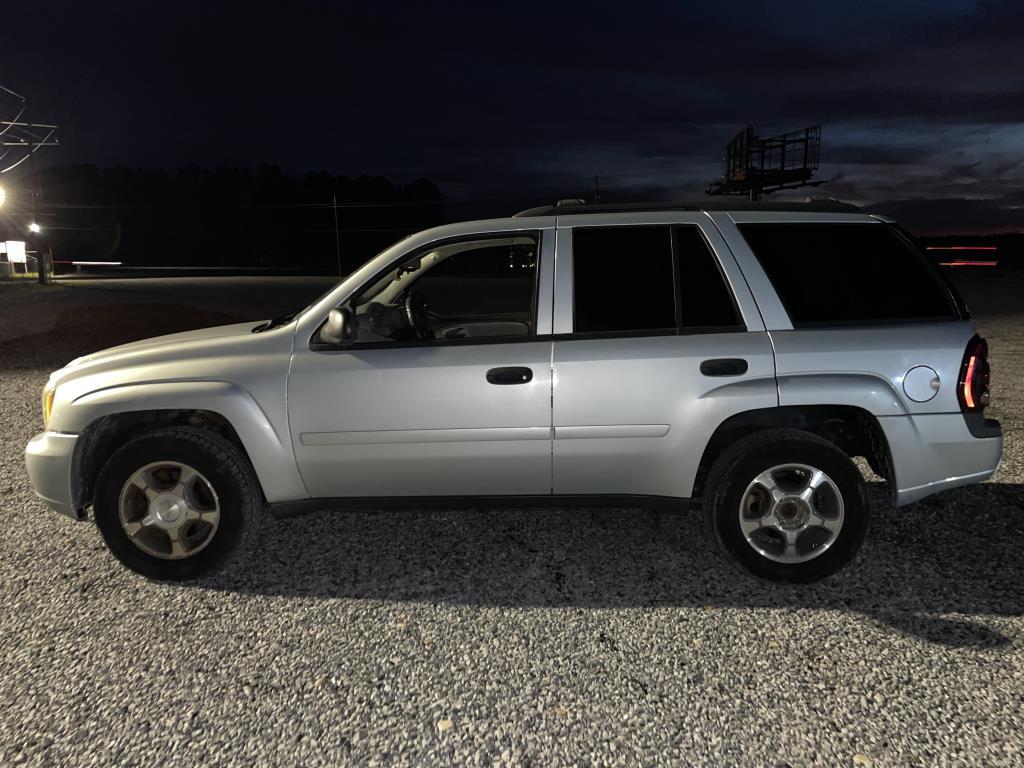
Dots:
pixel 418 317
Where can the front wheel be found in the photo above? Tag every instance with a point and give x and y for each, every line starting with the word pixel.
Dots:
pixel 172 504
pixel 787 505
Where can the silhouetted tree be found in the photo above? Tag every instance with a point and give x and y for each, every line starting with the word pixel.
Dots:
pixel 229 217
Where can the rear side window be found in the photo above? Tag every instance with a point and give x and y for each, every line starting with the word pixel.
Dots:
pixel 704 298
pixel 847 273
pixel 622 279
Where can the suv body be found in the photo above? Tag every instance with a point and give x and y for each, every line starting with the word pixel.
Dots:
pixel 625 354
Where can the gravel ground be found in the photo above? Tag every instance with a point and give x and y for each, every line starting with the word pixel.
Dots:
pixel 601 637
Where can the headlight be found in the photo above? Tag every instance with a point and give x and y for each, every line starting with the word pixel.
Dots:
pixel 48 405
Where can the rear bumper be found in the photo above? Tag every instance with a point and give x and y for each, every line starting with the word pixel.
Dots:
pixel 49 456
pixel 933 452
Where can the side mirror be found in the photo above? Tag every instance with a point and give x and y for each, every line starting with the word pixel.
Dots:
pixel 340 327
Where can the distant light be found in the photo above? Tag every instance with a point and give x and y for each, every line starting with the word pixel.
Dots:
pixel 962 248
pixel 88 263
pixel 3 195
pixel 34 228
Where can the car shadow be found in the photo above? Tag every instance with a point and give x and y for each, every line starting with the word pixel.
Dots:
pixel 924 570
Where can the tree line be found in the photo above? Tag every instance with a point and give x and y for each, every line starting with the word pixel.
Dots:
pixel 260 217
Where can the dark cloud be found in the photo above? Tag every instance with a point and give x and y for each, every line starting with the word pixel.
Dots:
pixel 951 215
pixel 521 100
pixel 877 154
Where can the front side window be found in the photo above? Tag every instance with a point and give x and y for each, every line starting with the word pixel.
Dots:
pixel 847 273
pixel 622 279
pixel 478 287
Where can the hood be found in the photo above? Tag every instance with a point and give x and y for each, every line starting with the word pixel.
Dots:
pixel 202 353
pixel 171 339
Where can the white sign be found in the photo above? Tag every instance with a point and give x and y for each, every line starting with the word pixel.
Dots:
pixel 16 251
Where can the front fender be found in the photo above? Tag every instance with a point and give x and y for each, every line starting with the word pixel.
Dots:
pixel 269 449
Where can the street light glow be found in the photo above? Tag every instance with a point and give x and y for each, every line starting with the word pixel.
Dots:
pixel 34 228
pixel 3 196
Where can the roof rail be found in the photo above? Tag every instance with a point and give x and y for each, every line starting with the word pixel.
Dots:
pixel 808 205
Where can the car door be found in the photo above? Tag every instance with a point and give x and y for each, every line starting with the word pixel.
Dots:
pixel 463 413
pixel 657 341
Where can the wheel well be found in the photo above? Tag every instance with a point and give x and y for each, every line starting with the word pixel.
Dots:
pixel 853 430
pixel 106 434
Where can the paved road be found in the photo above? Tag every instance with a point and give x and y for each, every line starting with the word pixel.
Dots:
pixel 545 637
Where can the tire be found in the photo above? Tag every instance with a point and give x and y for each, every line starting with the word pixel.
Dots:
pixel 787 537
pixel 185 525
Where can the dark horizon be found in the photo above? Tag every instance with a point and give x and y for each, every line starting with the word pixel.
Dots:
pixel 922 104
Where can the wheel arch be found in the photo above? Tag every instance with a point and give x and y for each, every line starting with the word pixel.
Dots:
pixel 852 429
pixel 106 418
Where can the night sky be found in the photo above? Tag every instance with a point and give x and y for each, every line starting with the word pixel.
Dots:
pixel 922 103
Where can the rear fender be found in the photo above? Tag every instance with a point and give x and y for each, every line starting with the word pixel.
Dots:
pixel 872 393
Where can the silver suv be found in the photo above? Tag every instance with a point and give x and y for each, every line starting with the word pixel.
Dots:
pixel 735 356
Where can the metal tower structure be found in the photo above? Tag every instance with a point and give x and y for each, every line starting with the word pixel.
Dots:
pixel 20 139
pixel 754 166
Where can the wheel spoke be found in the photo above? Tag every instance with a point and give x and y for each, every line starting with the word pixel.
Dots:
pixel 205 515
pixel 816 479
pixel 185 477
pixel 177 546
pixel 791 538
pixel 141 481
pixel 832 524
pixel 748 525
pixel 133 528
pixel 767 481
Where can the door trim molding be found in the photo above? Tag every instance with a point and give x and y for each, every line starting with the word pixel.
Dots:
pixel 393 436
pixel 585 432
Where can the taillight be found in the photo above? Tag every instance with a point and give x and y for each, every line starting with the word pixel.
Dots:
pixel 972 388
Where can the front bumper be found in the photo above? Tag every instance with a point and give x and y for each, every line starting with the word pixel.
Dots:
pixel 933 452
pixel 49 456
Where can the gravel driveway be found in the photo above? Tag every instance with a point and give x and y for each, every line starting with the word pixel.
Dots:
pixel 600 637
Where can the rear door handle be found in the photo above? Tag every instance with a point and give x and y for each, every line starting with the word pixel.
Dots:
pixel 513 375
pixel 724 366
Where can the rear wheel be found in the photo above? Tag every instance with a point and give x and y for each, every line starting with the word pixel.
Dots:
pixel 172 504
pixel 787 505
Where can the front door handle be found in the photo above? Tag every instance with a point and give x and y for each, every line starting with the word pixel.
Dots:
pixel 513 375
pixel 724 366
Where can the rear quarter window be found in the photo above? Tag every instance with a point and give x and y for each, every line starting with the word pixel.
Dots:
pixel 839 274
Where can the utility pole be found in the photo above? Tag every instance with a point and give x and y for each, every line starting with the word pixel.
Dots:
pixel 337 232
pixel 41 265
pixel 597 189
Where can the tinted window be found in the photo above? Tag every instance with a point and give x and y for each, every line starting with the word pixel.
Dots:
pixel 622 279
pixel 705 297
pixel 841 273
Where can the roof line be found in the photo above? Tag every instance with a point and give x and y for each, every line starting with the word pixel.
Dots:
pixel 828 205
